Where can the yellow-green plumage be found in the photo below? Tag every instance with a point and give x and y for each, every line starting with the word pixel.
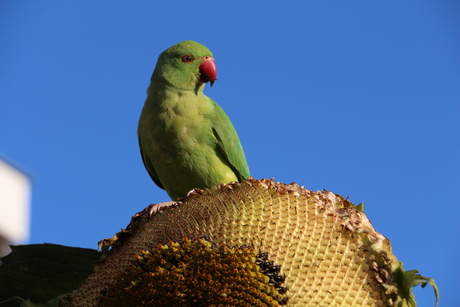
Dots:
pixel 186 139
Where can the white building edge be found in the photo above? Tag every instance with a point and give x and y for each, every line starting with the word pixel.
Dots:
pixel 15 198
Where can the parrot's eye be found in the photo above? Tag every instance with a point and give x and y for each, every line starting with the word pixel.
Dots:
pixel 187 58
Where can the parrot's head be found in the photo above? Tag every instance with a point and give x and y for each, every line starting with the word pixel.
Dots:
pixel 187 65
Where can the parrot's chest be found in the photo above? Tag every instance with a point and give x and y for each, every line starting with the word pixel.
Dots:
pixel 184 133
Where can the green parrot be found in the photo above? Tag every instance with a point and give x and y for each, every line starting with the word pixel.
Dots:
pixel 186 139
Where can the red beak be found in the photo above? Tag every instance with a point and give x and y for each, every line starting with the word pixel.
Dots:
pixel 208 70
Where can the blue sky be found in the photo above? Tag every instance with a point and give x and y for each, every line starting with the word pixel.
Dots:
pixel 359 98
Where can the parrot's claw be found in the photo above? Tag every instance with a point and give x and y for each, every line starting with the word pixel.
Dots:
pixel 190 192
pixel 194 191
pixel 156 207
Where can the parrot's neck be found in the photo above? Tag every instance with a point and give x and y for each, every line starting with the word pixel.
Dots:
pixel 168 97
pixel 164 89
pixel 167 84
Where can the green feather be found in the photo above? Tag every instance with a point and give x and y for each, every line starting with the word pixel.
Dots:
pixel 186 139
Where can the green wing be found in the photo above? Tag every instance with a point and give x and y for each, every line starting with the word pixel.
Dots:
pixel 149 166
pixel 229 143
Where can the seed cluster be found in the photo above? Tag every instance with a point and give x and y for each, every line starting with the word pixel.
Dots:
pixel 198 273
pixel 273 272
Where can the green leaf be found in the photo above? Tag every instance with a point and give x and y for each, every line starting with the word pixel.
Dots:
pixel 406 280
pixel 41 272
pixel 20 302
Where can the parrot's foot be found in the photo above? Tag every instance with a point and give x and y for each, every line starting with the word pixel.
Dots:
pixel 193 191
pixel 156 207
